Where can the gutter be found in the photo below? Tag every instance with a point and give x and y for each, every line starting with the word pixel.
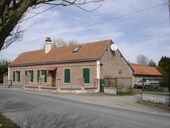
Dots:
pixel 52 62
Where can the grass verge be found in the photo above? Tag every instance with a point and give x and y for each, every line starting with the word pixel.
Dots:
pixel 159 107
pixel 6 123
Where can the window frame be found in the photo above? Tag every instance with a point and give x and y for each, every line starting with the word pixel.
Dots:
pixel 67 79
pixel 45 74
pixel 18 76
pixel 13 76
pixel 38 75
pixel 26 73
pixel 31 76
pixel 86 71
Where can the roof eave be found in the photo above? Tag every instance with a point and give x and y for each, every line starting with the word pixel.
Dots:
pixel 52 62
pixel 147 75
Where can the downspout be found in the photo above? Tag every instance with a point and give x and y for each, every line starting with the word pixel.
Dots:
pixel 8 73
pixel 98 75
pixel 9 82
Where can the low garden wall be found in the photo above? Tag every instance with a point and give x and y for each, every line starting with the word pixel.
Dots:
pixel 160 98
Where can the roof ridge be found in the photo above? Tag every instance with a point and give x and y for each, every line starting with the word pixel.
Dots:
pixel 141 65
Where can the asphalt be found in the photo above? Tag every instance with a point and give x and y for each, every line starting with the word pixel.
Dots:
pixel 44 111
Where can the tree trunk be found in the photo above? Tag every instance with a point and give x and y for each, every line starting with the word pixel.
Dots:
pixel 13 20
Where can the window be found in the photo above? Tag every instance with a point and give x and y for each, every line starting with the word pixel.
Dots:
pixel 67 76
pixel 45 76
pixel 31 76
pixel 120 71
pixel 25 73
pixel 86 75
pixel 13 75
pixel 38 75
pixel 18 76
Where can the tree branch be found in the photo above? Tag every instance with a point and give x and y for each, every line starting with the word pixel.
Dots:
pixel 11 12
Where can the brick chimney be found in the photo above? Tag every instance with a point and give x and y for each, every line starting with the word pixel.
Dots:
pixel 48 44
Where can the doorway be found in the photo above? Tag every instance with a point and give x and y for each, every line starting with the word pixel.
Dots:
pixel 53 74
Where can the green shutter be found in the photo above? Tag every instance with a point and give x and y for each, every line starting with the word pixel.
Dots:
pixel 32 76
pixel 13 75
pixel 45 76
pixel 25 73
pixel 67 76
pixel 86 75
pixel 18 76
pixel 38 75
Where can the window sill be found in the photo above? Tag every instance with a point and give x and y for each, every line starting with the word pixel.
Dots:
pixel 67 83
pixel 87 84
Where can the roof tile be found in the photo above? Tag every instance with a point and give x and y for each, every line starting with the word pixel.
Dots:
pixel 88 51
pixel 145 70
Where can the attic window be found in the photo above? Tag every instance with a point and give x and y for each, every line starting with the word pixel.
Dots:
pixel 76 49
pixel 120 71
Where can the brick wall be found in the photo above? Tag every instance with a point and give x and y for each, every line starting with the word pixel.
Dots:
pixel 76 75
pixel 114 65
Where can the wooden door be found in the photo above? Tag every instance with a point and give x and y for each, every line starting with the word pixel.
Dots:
pixel 54 78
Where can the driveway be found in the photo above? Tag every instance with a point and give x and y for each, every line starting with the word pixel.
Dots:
pixel 43 111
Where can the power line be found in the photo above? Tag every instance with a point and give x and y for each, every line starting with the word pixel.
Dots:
pixel 129 14
pixel 118 17
pixel 37 14
pixel 98 23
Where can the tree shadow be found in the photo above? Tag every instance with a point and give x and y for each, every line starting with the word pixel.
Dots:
pixel 44 120
pixel 15 106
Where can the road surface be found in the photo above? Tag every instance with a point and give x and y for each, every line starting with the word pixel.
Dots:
pixel 43 111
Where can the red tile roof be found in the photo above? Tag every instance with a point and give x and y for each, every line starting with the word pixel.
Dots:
pixel 145 70
pixel 88 51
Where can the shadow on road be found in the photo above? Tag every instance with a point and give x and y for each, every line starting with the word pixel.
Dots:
pixel 43 120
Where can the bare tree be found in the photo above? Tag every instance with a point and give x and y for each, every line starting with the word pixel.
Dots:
pixel 13 11
pixel 61 42
pixel 142 59
pixel 152 63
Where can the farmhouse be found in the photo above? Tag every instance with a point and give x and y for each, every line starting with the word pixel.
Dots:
pixel 77 68
pixel 144 72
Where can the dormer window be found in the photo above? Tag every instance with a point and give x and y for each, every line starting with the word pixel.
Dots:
pixel 76 49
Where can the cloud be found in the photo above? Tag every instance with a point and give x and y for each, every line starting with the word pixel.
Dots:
pixel 156 46
pixel 141 33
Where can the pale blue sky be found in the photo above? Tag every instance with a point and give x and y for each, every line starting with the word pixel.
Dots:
pixel 143 32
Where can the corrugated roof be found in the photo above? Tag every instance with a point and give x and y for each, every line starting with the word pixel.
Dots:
pixel 145 70
pixel 88 51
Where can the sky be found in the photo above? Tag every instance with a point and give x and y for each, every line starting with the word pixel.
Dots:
pixel 135 26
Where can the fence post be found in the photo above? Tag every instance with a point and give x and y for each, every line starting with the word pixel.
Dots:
pixel 130 85
pixel 116 84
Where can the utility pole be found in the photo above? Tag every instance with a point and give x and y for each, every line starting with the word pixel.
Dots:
pixel 169 9
pixel 169 66
pixel 169 84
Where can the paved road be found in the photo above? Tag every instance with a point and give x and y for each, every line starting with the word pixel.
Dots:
pixel 39 111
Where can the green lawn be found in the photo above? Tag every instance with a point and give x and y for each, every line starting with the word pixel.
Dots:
pixel 6 123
